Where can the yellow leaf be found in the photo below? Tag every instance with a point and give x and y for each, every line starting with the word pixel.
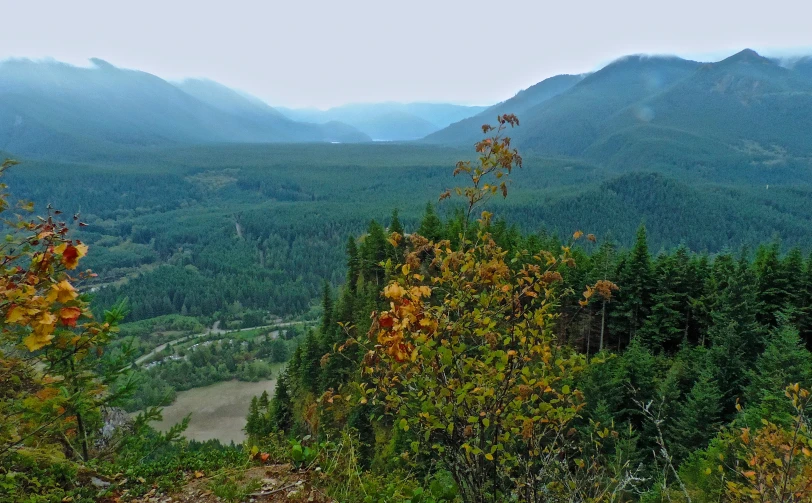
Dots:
pixel 37 341
pixel 63 292
pixel 489 456
pixel 15 314
pixel 198 474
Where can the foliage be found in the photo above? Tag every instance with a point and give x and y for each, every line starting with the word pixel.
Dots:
pixel 465 357
pixel 53 383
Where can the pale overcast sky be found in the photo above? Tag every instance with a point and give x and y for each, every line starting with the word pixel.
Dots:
pixel 329 52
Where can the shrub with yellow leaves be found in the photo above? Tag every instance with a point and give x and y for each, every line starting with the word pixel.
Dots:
pixel 50 341
pixel 465 360
pixel 774 463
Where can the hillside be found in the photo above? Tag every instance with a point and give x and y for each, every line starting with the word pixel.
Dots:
pixel 743 113
pixel 51 108
pixel 468 130
pixel 389 121
pixel 745 103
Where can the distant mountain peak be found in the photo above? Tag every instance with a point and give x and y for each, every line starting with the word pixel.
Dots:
pixel 102 64
pixel 746 56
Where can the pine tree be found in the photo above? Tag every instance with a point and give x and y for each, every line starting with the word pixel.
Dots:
pixel 253 420
pixel 281 409
pixel 374 251
pixel 636 286
pixel 663 328
pixel 263 401
pixel 431 227
pixel 784 361
pixel 353 264
pixel 394 223
pixel 310 367
pixel 327 312
pixel 700 416
pixel 793 270
pixel 773 284
pixel 805 310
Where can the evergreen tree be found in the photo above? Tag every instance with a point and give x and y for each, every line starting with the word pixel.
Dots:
pixel 263 401
pixel 327 312
pixel 636 286
pixel 784 361
pixel 353 264
pixel 773 284
pixel 700 417
pixel 281 409
pixel 663 328
pixel 252 424
pixel 310 367
pixel 431 227
pixel 394 223
pixel 805 303
pixel 373 252
pixel 793 270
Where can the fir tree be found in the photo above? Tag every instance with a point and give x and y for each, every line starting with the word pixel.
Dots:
pixel 784 361
pixel 263 401
pixel 394 223
pixel 636 286
pixel 310 367
pixel 663 328
pixel 327 312
pixel 252 424
pixel 700 417
pixel 805 302
pixel 353 264
pixel 431 227
pixel 281 409
pixel 773 284
pixel 374 251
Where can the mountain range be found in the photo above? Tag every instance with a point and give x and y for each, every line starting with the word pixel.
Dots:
pixel 648 110
pixel 51 108
pixel 638 110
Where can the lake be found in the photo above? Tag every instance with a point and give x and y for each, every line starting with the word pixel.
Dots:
pixel 218 411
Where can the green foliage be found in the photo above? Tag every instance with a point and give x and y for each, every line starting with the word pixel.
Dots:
pixel 229 488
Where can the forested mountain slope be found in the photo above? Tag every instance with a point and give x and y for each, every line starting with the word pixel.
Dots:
pixel 744 113
pixel 468 130
pixel 163 227
pixel 50 108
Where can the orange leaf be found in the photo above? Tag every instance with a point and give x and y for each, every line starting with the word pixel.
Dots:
pixel 69 315
pixel 71 254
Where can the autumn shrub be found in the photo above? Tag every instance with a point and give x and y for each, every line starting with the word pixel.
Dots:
pixel 465 357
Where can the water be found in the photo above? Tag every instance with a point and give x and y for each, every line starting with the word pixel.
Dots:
pixel 218 411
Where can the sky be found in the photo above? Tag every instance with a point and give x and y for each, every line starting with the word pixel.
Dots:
pixel 306 53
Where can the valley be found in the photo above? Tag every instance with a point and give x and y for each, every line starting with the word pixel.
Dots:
pixel 598 289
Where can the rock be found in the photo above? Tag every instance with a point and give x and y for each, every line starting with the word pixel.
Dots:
pixel 99 482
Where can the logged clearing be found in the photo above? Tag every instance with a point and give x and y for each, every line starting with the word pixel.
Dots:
pixel 218 411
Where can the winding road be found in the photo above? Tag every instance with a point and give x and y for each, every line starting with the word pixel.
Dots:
pixel 215 329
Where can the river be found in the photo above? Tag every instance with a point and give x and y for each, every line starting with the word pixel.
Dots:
pixel 218 411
